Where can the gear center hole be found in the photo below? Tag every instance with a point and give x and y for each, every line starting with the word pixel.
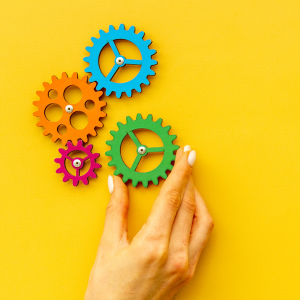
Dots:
pixel 86 163
pixel 129 150
pixel 107 61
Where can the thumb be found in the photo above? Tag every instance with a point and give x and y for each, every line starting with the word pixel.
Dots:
pixel 115 227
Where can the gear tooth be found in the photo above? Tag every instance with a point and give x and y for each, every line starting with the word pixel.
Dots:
pixel 141 34
pixel 46 132
pixel 64 75
pixel 108 153
pixel 146 81
pixel 170 167
pixel 54 138
pixel 40 94
pixel 86 59
pixel 93 132
pixel 79 143
pixel 164 176
pixel 69 145
pixel 134 183
pixel 85 79
pixel 46 85
pixel 139 116
pixel 85 181
pixel 36 113
pixel 75 75
pixel 148 42
pixel 66 178
pixel 88 69
pixel 94 40
pixel 95 156
pixel 145 183
pixel 108 92
pixel 36 103
pixel 150 117
pixel 117 172
pixel 173 137
pixel 153 62
pixel 89 147
pixel 125 178
pixel 152 51
pixel 63 141
pixel 111 28
pixel 167 128
pixel 129 93
pixel 85 139
pixel 132 29
pixel 128 119
pixel 39 124
pixel 97 166
pixel 88 49
pixel 54 78
pixel 159 121
pixel 113 133
pixel 151 72
pixel 175 147
pixel 155 181
pixel 75 181
pixel 111 163
pixel 118 94
pixel 120 125
pixel 102 33
pixel 121 27
pixel 138 88
pixel 61 151
pixel 59 170
pixel 109 143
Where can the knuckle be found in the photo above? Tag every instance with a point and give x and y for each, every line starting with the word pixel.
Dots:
pixel 189 276
pixel 173 199
pixel 109 208
pixel 188 203
pixel 209 222
pixel 154 254
pixel 179 266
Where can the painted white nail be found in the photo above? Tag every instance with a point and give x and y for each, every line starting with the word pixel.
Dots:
pixel 110 182
pixel 187 148
pixel 192 158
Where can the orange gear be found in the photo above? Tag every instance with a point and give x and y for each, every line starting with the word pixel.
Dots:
pixel 88 93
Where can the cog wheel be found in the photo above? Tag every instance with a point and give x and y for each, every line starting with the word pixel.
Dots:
pixel 146 62
pixel 77 163
pixel 88 93
pixel 142 150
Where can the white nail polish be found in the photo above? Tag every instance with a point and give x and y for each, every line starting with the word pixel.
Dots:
pixel 192 158
pixel 187 148
pixel 110 182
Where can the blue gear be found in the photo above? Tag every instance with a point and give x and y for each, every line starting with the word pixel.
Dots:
pixel 146 62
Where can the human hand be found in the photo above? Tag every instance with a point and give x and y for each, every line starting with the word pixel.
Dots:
pixel 163 256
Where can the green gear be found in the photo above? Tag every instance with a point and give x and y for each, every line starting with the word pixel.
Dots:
pixel 142 150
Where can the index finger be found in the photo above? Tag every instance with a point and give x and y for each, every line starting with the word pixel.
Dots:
pixel 167 203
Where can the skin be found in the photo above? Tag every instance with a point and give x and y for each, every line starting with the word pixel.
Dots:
pixel 163 256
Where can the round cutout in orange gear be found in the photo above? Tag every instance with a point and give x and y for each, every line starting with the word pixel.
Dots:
pixel 88 94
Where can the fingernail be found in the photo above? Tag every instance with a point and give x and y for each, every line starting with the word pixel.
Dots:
pixel 110 182
pixel 187 148
pixel 192 158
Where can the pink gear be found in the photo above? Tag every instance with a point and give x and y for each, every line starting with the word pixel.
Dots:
pixel 77 163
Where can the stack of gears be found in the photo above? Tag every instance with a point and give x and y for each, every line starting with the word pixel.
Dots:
pixel 91 89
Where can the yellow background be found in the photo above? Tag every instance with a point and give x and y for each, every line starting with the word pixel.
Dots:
pixel 227 82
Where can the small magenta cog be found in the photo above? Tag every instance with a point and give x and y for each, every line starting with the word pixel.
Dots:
pixel 109 38
pixel 78 163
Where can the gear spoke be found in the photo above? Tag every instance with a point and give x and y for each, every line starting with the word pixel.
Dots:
pixel 70 158
pixel 77 172
pixel 114 48
pixel 112 72
pixel 84 159
pixel 136 162
pixel 155 149
pixel 133 61
pixel 134 139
